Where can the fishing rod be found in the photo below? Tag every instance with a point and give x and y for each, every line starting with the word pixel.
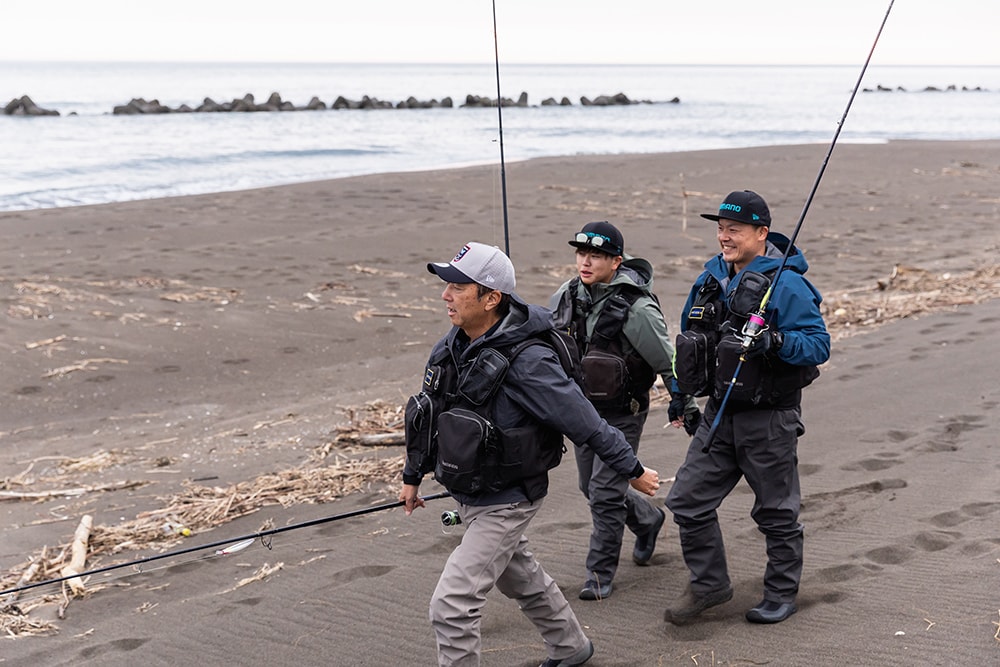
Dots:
pixel 229 546
pixel 756 323
pixel 503 169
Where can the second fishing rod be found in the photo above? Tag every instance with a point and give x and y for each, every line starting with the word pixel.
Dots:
pixel 758 321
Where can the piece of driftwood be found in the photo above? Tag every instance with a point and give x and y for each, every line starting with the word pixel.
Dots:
pixel 25 578
pixel 60 493
pixel 47 341
pixel 378 439
pixel 78 551
pixel 85 365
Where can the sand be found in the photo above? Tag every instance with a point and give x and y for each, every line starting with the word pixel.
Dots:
pixel 158 350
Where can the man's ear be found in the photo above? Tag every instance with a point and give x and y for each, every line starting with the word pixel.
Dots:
pixel 492 299
pixel 618 262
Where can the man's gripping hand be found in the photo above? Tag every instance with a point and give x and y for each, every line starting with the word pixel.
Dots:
pixel 766 342
pixel 684 412
pixel 648 482
pixel 410 497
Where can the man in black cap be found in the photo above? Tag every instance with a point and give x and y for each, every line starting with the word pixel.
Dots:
pixel 610 309
pixel 499 422
pixel 758 430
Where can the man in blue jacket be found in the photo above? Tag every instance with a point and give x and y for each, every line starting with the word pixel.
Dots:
pixel 758 432
pixel 525 408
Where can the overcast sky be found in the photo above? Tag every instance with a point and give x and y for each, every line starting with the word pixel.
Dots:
pixel 944 32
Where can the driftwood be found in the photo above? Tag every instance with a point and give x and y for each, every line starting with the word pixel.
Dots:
pixel 85 365
pixel 79 554
pixel 47 341
pixel 25 578
pixel 379 439
pixel 60 493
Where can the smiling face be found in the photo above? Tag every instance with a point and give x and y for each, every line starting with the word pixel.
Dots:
pixel 741 242
pixel 468 311
pixel 595 266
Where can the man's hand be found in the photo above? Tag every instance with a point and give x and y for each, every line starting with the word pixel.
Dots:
pixel 410 497
pixel 766 342
pixel 684 412
pixel 691 421
pixel 648 483
pixel 675 410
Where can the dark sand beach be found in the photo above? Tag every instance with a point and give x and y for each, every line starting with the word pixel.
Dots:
pixel 203 358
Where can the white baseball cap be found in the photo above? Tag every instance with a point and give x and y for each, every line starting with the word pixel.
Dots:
pixel 478 263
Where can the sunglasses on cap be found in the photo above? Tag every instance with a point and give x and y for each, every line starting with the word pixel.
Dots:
pixel 596 240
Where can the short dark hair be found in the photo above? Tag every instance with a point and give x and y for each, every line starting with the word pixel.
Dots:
pixel 503 307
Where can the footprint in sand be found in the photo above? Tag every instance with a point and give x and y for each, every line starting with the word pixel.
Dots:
pixel 947 438
pixel 352 574
pixel 964 513
pixel 881 461
pixel 116 646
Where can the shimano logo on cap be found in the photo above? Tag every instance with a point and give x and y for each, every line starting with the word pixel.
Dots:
pixel 735 208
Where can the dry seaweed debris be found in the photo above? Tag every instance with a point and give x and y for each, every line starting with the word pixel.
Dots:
pixel 36 298
pixel 375 423
pixel 908 291
pixel 195 509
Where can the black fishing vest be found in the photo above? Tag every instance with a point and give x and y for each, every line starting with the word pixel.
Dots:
pixel 611 378
pixel 708 351
pixel 451 428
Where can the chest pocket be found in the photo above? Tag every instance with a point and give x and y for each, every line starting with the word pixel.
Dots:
pixel 695 347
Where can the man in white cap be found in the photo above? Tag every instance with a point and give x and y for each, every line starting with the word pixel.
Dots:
pixel 500 417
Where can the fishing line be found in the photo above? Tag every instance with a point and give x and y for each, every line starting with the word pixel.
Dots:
pixel 222 547
pixel 503 168
pixel 757 324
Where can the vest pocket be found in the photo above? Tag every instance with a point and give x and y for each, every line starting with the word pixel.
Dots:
pixel 605 377
pixel 694 361
pixel 468 452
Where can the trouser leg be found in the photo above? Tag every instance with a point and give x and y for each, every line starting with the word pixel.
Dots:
pixel 640 514
pixel 702 482
pixel 541 601
pixel 768 453
pixel 607 493
pixel 493 535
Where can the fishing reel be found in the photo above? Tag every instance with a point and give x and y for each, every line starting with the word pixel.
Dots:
pixel 753 328
pixel 450 518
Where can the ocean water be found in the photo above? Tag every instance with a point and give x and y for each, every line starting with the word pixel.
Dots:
pixel 87 155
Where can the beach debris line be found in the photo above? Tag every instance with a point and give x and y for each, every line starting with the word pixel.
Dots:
pixel 907 291
pixel 196 509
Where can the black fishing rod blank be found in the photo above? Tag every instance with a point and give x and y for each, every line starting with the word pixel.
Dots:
pixel 223 547
pixel 503 168
pixel 756 323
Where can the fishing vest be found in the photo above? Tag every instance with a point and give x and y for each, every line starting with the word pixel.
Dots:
pixel 451 428
pixel 612 379
pixel 708 351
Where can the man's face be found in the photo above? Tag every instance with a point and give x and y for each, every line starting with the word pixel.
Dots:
pixel 595 266
pixel 467 310
pixel 741 242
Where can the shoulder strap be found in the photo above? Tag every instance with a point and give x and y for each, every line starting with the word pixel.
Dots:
pixel 561 343
pixel 613 315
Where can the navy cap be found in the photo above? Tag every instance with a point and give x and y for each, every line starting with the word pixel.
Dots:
pixel 601 236
pixel 743 206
